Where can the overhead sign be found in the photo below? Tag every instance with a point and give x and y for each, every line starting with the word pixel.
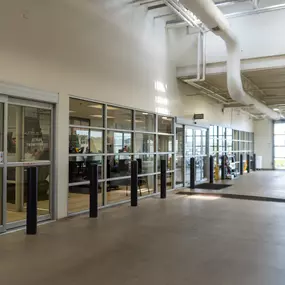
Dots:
pixel 198 116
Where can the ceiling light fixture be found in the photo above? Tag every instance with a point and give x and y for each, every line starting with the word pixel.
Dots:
pixel 276 109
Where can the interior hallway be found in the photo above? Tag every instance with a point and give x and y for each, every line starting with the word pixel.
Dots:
pixel 180 240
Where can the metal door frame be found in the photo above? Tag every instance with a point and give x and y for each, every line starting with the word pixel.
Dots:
pixel 7 99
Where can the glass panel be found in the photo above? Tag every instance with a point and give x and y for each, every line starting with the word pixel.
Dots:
pixel 144 143
pixel 279 163
pixel 118 142
pixel 84 113
pixel 279 151
pixel 165 124
pixel 28 135
pixel 168 181
pixel 118 165
pixel 168 158
pixel 17 183
pixel 145 121
pixel 85 140
pixel 1 196
pixel 165 143
pixel 189 150
pixel 119 118
pixel 78 197
pixel 279 140
pixel 118 190
pixel 145 163
pixel 179 146
pixel 78 167
pixel 1 131
pixel 146 185
pixel 200 168
pixel 200 144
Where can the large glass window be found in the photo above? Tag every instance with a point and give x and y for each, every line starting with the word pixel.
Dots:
pixel 165 124
pixel 28 135
pixel 145 122
pixel 144 143
pixel 84 113
pixel 118 142
pixel 83 140
pixel 165 143
pixel 145 163
pixel 119 118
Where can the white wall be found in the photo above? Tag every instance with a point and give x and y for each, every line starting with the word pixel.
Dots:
pixel 263 142
pixel 105 50
pixel 259 36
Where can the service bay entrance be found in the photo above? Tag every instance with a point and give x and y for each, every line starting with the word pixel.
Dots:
pixel 26 138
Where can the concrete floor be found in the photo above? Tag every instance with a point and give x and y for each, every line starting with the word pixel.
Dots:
pixel 261 183
pixel 181 240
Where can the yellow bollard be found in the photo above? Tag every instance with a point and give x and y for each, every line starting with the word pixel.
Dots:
pixel 245 166
pixel 217 172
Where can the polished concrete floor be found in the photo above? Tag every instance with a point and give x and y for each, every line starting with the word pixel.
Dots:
pixel 180 240
pixel 260 183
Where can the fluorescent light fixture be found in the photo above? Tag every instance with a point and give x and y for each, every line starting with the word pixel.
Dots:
pixel 226 3
pixel 96 106
pixel 70 111
pixel 276 109
pixel 100 116
pixel 111 108
pixel 145 113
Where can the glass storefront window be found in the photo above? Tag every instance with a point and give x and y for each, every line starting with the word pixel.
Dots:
pixel 78 197
pixel 118 142
pixel 83 140
pixel 118 190
pixel 119 118
pixel 146 185
pixel 118 165
pixel 165 124
pixel 28 135
pixel 84 113
pixel 144 143
pixel 145 163
pixel 145 121
pixel 165 143
pixel 169 185
pixel 169 161
pixel 79 166
pixel 17 183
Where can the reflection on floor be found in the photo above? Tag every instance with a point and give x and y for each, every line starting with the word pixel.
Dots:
pixel 14 216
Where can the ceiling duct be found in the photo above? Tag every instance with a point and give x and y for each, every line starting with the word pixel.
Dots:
pixel 214 19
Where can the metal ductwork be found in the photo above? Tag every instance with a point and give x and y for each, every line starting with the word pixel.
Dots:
pixel 215 20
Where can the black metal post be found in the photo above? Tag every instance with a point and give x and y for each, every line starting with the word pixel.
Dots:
pixel 254 162
pixel 241 165
pixel 192 173
pixel 223 167
pixel 248 163
pixel 211 169
pixel 134 183
pixel 32 199
pixel 93 190
pixel 163 179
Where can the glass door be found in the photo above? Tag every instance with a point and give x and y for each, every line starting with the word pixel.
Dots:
pixel 279 145
pixel 189 152
pixel 29 143
pixel 179 169
pixel 2 106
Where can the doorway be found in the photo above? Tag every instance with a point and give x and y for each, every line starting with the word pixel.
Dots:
pixel 26 138
pixel 279 145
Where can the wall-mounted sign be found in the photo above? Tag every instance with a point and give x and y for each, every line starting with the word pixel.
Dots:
pixel 198 116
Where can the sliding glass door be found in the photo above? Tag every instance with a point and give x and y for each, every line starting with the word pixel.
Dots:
pixel 279 145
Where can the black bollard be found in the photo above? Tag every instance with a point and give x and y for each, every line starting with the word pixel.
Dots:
pixel 192 173
pixel 163 179
pixel 223 167
pixel 241 165
pixel 134 183
pixel 254 162
pixel 93 190
pixel 32 199
pixel 248 163
pixel 211 169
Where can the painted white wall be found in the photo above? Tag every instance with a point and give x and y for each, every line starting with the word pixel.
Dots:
pixel 263 142
pixel 259 36
pixel 104 50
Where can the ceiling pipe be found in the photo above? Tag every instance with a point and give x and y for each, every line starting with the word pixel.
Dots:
pixel 214 19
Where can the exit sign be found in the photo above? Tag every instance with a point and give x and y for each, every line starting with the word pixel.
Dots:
pixel 198 116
